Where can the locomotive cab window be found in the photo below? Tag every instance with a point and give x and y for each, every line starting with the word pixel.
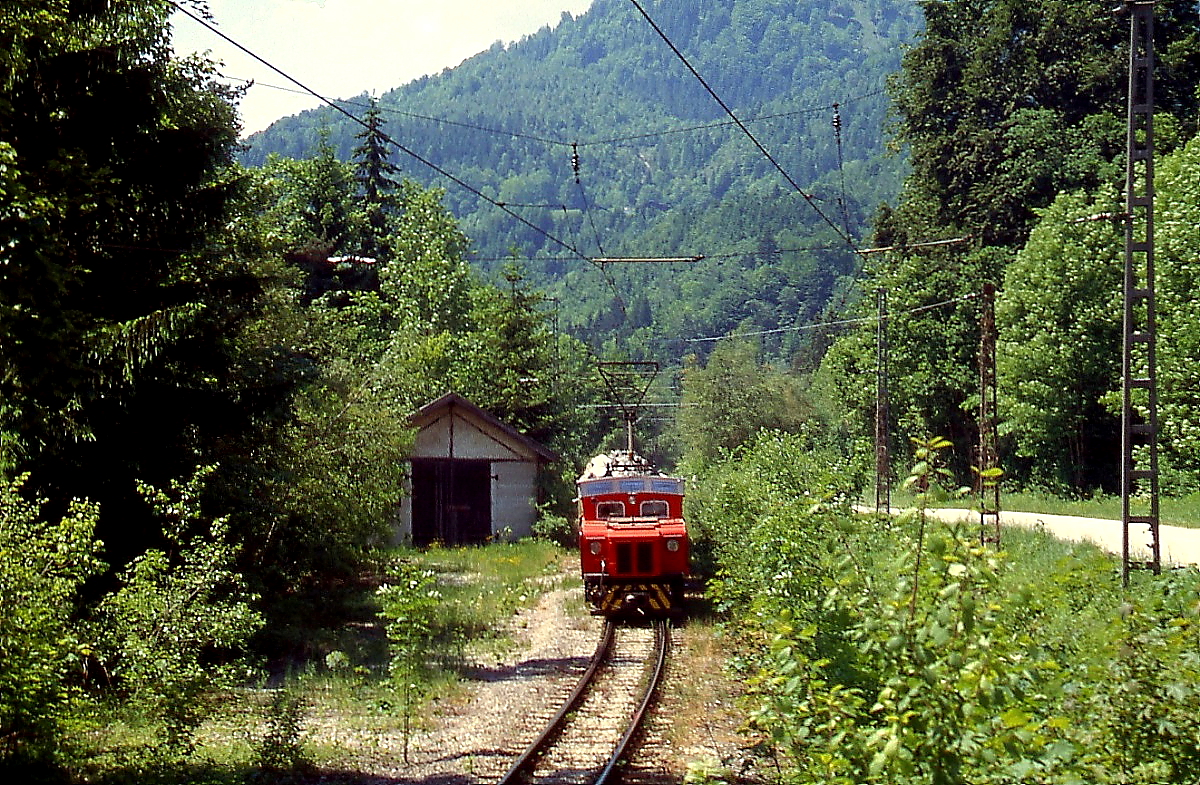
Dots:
pixel 654 509
pixel 605 510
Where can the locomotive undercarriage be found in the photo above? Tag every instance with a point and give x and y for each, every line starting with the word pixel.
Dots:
pixel 632 597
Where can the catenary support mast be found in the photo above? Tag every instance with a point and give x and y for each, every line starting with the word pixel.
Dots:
pixel 883 461
pixel 1139 410
pixel 987 460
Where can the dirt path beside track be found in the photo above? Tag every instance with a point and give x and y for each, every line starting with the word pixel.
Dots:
pixel 1180 546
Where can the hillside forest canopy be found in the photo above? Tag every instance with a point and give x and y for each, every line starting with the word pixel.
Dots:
pixel 209 349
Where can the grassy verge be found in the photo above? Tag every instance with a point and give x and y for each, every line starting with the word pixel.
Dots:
pixel 900 651
pixel 315 721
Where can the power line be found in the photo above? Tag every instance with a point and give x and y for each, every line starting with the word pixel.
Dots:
pixel 926 244
pixel 717 257
pixel 724 123
pixel 412 153
pixel 741 125
pixel 562 142
pixel 572 249
pixel 837 323
pixel 604 271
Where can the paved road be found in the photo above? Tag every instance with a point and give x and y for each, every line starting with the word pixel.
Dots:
pixel 1179 545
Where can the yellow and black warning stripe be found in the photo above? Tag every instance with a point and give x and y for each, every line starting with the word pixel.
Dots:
pixel 657 597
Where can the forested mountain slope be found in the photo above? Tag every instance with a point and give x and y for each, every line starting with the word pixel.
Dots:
pixel 661 168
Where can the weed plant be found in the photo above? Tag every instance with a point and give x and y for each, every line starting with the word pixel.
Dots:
pixel 903 651
pixel 290 725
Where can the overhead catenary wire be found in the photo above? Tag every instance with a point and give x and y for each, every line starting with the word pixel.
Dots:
pixel 741 123
pixel 575 252
pixel 742 126
pixel 610 140
pixel 838 322
pixel 407 151
pixel 572 248
pixel 726 255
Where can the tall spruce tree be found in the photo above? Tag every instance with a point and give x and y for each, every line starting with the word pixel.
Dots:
pixel 376 174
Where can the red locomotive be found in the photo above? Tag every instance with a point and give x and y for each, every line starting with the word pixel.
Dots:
pixel 633 543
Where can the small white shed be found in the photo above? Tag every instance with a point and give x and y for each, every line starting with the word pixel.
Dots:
pixel 472 477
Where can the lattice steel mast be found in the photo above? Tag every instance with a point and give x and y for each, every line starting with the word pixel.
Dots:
pixel 987 458
pixel 1139 434
pixel 883 468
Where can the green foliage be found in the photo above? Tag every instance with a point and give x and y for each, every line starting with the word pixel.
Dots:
pixel 698 188
pixel 43 567
pixel 1177 201
pixel 318 201
pixel 1142 696
pixel 1006 104
pixel 1059 353
pixel 177 610
pixel 281 747
pixel 1003 106
pixel 108 253
pixel 409 605
pixel 778 485
pixel 376 176
pixel 733 397
pixel 1031 665
pixel 555 528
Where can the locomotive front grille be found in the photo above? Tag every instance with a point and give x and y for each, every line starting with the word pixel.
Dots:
pixel 645 557
pixel 624 558
pixel 635 558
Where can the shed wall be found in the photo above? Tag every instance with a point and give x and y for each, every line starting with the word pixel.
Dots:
pixel 514 469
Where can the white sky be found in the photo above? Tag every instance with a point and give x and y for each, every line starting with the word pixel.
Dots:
pixel 340 48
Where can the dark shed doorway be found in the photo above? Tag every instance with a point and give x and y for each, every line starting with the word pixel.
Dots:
pixel 451 501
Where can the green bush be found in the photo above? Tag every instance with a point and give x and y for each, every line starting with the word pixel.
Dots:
pixel 906 652
pixel 409 605
pixel 555 528
pixel 281 747
pixel 42 654
pixel 178 614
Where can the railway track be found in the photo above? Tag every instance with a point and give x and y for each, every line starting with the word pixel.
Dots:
pixel 587 741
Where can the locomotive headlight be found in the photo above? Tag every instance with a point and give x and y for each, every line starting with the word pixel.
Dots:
pixel 594 547
pixel 672 545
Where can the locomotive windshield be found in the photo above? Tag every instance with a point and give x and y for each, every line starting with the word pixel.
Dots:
pixel 654 509
pixel 606 510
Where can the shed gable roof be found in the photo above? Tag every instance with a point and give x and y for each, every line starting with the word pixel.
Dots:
pixel 431 413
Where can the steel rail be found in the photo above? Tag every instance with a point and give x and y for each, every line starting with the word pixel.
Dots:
pixel 527 758
pixel 662 634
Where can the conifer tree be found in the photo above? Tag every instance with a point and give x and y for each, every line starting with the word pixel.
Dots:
pixel 375 172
